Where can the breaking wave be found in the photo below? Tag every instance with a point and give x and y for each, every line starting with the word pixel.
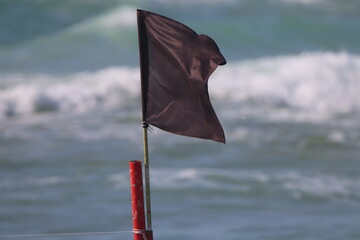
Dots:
pixel 78 93
pixel 295 185
pixel 320 83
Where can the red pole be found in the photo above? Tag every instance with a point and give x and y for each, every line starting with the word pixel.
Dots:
pixel 137 200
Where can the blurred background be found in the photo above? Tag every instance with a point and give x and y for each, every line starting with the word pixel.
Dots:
pixel 288 99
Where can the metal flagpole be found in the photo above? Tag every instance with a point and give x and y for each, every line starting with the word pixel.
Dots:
pixel 147 182
pixel 144 71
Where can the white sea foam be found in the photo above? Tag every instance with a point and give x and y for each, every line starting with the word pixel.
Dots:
pixel 312 84
pixel 304 2
pixel 323 186
pixel 78 93
pixel 315 82
pixel 336 136
pixel 293 184
pixel 31 182
pixel 120 180
pixel 123 16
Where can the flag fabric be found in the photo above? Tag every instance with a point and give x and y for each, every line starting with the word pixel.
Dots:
pixel 176 64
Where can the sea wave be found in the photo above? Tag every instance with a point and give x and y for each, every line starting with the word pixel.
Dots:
pixel 121 16
pixel 315 82
pixel 305 2
pixel 31 182
pixel 77 93
pixel 291 184
pixel 109 37
pixel 94 43
pixel 214 2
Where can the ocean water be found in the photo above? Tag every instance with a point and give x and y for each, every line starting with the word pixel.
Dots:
pixel 288 99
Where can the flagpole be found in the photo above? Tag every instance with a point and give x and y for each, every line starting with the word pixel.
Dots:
pixel 147 179
pixel 143 52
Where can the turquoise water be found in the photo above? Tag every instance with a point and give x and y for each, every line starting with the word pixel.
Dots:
pixel 287 99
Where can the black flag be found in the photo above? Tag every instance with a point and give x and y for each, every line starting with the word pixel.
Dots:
pixel 176 64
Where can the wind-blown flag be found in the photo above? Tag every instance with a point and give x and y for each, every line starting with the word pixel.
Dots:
pixel 176 64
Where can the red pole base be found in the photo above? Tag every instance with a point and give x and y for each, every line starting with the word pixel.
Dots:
pixel 137 201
